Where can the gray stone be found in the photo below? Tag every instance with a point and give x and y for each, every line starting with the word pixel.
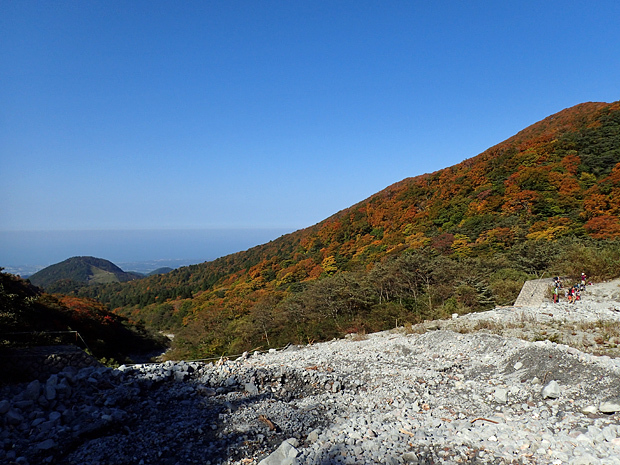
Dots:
pixel 33 390
pixel 46 445
pixel 585 459
pixel 13 417
pixel 589 410
pixel 610 406
pixel 46 426
pixel 206 391
pixel 501 395
pixel 69 373
pixel 283 455
pixel 5 405
pixel 410 457
pixel 313 436
pixel 609 433
pixel 50 387
pixel 251 388
pixel 551 390
pixel 23 404
pixel 63 388
pixel 52 381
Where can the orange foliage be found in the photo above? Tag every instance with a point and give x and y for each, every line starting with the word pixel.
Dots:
pixel 549 229
pixel 527 186
pixel 520 202
pixel 502 237
pixel 603 227
pixel 571 163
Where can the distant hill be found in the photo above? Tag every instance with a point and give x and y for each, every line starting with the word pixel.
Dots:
pixel 162 270
pixel 79 271
pixel 543 202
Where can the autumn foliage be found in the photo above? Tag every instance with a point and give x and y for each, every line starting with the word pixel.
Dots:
pixel 475 231
pixel 30 317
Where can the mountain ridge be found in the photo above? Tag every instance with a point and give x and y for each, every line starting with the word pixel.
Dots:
pixel 486 224
pixel 78 271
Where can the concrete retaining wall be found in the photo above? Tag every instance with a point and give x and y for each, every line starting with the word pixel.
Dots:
pixel 533 293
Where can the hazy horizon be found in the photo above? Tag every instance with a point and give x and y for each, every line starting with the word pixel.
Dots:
pixel 44 248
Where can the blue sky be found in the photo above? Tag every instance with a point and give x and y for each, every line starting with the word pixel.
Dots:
pixel 270 114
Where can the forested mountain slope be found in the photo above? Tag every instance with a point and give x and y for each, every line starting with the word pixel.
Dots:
pixel 461 239
pixel 76 272
pixel 29 317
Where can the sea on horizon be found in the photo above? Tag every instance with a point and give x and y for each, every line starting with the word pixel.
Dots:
pixel 25 252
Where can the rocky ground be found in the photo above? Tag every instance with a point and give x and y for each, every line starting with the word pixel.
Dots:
pixel 590 325
pixel 513 385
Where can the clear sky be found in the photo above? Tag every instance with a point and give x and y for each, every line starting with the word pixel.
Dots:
pixel 271 114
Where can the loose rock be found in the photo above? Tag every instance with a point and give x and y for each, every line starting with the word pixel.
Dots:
pixel 443 397
pixel 610 406
pixel 551 390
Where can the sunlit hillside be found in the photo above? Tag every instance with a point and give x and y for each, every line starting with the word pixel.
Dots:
pixel 462 239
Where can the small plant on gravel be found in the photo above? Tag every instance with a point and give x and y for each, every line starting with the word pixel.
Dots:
pixel 489 325
pixel 463 329
pixel 362 336
pixel 545 336
pixel 399 330
pixel 416 329
pixel 607 329
pixel 526 319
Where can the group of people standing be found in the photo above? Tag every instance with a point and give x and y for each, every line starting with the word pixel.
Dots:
pixel 572 293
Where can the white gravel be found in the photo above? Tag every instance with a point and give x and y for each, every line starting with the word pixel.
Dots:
pixel 455 394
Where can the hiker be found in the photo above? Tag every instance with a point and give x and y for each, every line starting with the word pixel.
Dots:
pixel 583 281
pixel 556 295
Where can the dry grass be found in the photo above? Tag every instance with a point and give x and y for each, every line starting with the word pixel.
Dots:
pixel 600 337
pixel 359 336
pixel 490 325
pixel 607 329
pixel 420 328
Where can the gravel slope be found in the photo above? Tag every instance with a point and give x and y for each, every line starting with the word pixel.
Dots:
pixel 459 391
